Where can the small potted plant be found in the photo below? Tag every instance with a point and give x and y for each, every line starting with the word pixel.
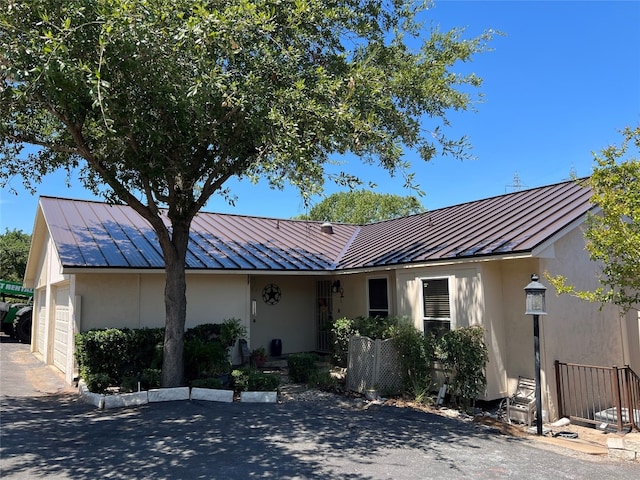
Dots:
pixel 259 357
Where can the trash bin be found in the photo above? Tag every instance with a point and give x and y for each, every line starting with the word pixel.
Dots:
pixel 276 347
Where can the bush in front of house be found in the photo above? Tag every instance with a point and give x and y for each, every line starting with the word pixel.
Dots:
pixel 147 379
pixel 463 352
pixel 302 366
pixel 416 354
pixel 253 380
pixel 123 357
pixel 116 353
pixel 204 359
pixel 341 329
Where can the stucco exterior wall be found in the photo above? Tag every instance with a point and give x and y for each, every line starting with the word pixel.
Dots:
pixel 291 319
pixel 137 300
pixel 576 331
pixel 476 299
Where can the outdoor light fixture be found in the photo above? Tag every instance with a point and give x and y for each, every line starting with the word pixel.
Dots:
pixel 535 297
pixel 536 306
pixel 335 287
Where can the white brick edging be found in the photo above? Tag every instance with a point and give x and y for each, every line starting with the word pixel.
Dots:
pixel 212 394
pixel 126 400
pixel 95 399
pixel 168 394
pixel 259 397
pixel 102 401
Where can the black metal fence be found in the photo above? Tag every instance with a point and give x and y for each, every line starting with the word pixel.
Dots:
pixel 601 396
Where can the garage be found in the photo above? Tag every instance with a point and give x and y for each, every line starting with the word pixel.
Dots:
pixel 61 335
pixel 41 319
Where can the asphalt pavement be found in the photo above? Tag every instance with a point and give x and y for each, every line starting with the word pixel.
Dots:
pixel 46 431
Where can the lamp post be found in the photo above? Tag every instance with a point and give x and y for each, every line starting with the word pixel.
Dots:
pixel 536 306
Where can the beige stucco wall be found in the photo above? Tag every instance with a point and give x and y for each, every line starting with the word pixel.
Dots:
pixel 292 319
pixel 137 300
pixel 576 331
pixel 476 299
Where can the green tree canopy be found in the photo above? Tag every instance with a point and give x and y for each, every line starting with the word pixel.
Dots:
pixel 613 232
pixel 160 102
pixel 14 251
pixel 362 207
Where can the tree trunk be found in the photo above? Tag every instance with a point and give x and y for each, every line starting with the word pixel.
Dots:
pixel 175 299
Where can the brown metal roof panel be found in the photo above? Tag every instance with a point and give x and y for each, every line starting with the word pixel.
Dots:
pixel 62 237
pixel 138 238
pixel 508 223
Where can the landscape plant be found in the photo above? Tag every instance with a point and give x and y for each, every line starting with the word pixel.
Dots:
pixel 463 353
pixel 302 366
pixel 416 353
pixel 253 380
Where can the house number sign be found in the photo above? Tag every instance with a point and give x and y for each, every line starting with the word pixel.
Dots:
pixel 271 294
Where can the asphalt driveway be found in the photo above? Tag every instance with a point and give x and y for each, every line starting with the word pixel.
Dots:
pixel 46 432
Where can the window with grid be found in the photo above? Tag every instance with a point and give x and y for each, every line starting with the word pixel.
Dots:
pixel 436 306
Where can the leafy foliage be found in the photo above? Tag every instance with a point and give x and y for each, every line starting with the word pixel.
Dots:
pixel 463 352
pixel 416 353
pixel 250 379
pixel 117 353
pixel 362 207
pixel 613 235
pixel 343 328
pixel 14 251
pixel 302 366
pixel 158 103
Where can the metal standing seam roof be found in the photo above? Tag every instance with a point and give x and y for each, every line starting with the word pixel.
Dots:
pixel 90 234
pixel 506 224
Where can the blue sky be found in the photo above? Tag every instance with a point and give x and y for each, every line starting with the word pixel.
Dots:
pixel 559 85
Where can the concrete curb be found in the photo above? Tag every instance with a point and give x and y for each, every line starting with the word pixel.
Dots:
pixel 212 395
pixel 259 397
pixel 168 394
pixel 120 400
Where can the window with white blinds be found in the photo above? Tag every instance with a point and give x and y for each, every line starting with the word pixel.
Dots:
pixel 436 306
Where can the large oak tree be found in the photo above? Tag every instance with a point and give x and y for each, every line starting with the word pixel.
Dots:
pixel 159 102
pixel 362 207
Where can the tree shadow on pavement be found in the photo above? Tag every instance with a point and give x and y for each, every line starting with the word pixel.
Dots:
pixel 59 436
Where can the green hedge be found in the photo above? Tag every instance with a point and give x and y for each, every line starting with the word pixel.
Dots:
pixel 115 353
pixel 122 356
pixel 302 366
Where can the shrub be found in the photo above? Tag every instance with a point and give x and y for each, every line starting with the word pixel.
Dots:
pixel 463 352
pixel 232 330
pixel 205 359
pixel 148 378
pixel 250 379
pixel 103 352
pixel 344 328
pixel 322 379
pixel 263 382
pixel 118 353
pixel 301 366
pixel 208 332
pixel 98 382
pixel 207 383
pixel 415 352
pixel 341 330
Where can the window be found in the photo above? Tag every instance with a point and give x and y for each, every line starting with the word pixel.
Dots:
pixel 436 305
pixel 378 297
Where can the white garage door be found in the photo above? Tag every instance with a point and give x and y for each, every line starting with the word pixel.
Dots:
pixel 42 327
pixel 61 329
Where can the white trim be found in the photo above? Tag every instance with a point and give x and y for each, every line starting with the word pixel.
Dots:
pixel 451 319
